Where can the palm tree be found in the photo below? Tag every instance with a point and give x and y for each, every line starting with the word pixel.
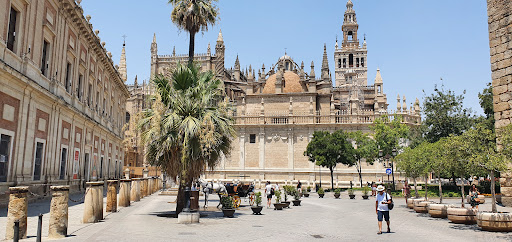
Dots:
pixel 193 16
pixel 189 126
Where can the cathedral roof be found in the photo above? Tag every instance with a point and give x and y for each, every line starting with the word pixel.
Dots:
pixel 291 80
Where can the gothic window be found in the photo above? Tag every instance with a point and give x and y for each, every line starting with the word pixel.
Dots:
pixel 252 138
pixel 362 62
pixel 344 63
pixel 357 62
pixel 351 60
pixel 339 63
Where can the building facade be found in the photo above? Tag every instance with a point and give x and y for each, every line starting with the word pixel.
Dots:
pixel 62 100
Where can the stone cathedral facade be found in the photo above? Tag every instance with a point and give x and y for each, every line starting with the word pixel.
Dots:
pixel 280 107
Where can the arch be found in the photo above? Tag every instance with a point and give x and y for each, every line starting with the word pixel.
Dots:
pixel 351 60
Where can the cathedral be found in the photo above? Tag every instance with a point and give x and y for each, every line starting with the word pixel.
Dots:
pixel 279 107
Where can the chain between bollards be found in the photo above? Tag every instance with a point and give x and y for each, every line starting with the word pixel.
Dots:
pixel 16 231
pixel 39 227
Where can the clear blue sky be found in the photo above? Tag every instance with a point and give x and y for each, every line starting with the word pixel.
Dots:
pixel 414 43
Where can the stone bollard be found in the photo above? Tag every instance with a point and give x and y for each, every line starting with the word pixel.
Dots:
pixel 124 193
pixel 59 212
pixel 93 208
pixel 18 205
pixel 135 190
pixel 112 196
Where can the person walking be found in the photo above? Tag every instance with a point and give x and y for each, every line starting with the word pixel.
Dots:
pixel 381 207
pixel 374 189
pixel 269 190
pixel 299 186
pixel 406 191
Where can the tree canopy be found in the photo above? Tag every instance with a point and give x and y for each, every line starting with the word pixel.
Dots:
pixel 366 149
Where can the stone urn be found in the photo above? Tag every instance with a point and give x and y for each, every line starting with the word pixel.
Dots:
pixel 497 222
pixel 279 206
pixel 228 212
pixel 337 195
pixel 421 206
pixel 256 210
pixel 437 210
pixel 296 202
pixel 462 215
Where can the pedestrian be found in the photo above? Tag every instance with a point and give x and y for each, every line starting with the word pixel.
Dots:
pixel 269 190
pixel 299 186
pixel 406 191
pixel 381 207
pixel 474 200
pixel 374 189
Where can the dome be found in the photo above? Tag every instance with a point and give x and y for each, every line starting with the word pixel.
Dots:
pixel 291 81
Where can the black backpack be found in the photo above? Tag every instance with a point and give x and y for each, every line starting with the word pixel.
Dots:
pixel 271 191
pixel 392 204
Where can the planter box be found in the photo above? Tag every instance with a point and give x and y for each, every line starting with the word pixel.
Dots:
pixel 257 210
pixel 462 215
pixel 352 196
pixel 306 195
pixel 421 206
pixel 365 197
pixel 410 203
pixel 498 222
pixel 296 202
pixel 438 210
pixel 228 212
pixel 337 195
pixel 287 204
pixel 279 206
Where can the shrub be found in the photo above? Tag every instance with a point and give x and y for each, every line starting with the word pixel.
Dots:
pixel 227 202
pixel 321 191
pixel 257 198
pixel 309 189
pixel 365 191
pixel 350 191
pixel 296 194
pixel 277 193
pixel 288 190
pixel 337 191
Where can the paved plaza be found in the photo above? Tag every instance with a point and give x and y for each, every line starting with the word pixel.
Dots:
pixel 325 219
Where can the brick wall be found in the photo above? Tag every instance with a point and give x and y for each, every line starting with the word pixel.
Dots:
pixel 500 42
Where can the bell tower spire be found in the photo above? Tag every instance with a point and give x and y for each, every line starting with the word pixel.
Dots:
pixel 122 62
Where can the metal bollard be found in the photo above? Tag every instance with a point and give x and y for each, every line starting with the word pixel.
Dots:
pixel 39 227
pixel 16 231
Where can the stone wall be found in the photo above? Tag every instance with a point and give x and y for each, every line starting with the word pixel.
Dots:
pixel 500 42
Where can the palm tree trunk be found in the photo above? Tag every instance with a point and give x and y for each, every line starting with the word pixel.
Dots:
pixel 440 187
pixel 191 48
pixel 493 192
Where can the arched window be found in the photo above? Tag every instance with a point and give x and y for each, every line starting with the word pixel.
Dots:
pixel 339 63
pixel 350 35
pixel 362 62
pixel 351 60
pixel 127 117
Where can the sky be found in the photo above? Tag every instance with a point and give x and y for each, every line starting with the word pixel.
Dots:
pixel 416 44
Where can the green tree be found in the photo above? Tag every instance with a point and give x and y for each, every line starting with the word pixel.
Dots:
pixel 407 162
pixel 487 105
pixel 188 127
pixel 457 161
pixel 193 16
pixel 445 115
pixel 389 133
pixel 366 149
pixel 329 149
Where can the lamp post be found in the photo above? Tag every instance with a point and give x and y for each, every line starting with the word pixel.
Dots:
pixel 393 154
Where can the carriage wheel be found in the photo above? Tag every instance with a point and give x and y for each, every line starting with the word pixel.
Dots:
pixel 251 198
pixel 236 201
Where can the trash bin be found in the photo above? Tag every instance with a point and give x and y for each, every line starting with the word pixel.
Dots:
pixel 194 200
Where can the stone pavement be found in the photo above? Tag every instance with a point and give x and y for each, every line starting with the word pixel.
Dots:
pixel 325 219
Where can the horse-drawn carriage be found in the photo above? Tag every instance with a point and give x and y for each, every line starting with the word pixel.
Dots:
pixel 238 191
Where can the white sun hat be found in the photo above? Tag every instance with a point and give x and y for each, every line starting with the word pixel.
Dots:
pixel 380 188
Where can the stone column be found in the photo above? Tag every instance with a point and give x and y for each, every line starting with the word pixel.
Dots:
pixel 59 212
pixel 150 186
pixel 112 196
pixel 127 173
pixel 18 204
pixel 135 190
pixel 93 209
pixel 124 193
pixel 143 187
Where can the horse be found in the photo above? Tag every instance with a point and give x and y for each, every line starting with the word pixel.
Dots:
pixel 210 187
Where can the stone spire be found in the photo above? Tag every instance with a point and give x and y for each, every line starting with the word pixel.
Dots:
pixel 174 51
pixel 398 105
pixel 135 83
pixel 325 65
pixel 220 38
pixel 312 73
pixel 236 72
pixel 417 109
pixel 378 77
pixel 209 51
pixel 237 63
pixel 122 64
pixel 404 106
pixel 154 47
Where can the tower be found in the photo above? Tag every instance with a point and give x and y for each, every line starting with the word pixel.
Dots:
pixel 154 56
pixel 122 64
pixel 220 48
pixel 351 59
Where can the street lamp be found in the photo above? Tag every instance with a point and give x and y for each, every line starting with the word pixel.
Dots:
pixel 391 164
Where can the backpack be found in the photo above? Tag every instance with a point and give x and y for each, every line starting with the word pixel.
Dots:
pixel 392 204
pixel 271 191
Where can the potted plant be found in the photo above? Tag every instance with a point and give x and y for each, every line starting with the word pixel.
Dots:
pixel 227 206
pixel 321 192
pixel 309 189
pixel 365 193
pixel 305 192
pixel 337 193
pixel 296 196
pixel 278 205
pixel 286 202
pixel 351 193
pixel 257 200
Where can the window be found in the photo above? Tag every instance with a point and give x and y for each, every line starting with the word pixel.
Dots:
pixel 379 89
pixel 68 78
pixel 357 62
pixel 11 36
pixel 5 150
pixel 344 63
pixel 38 161
pixel 116 171
pixel 63 158
pixel 86 167
pixel 108 168
pixel 104 104
pixel 339 63
pixel 89 94
pixel 79 87
pixel 44 58
pixel 101 167
pixel 252 138
pixel 351 60
pixel 349 35
pixel 97 99
pixel 362 62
